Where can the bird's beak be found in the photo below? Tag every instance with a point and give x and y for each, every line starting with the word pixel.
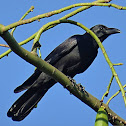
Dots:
pixel 112 31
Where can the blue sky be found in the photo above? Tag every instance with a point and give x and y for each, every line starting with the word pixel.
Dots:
pixel 58 107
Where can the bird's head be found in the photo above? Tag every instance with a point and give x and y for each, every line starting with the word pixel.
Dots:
pixel 103 32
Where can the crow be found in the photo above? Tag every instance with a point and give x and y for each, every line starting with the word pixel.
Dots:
pixel 71 57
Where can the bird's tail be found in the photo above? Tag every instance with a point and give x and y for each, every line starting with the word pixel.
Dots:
pixel 23 106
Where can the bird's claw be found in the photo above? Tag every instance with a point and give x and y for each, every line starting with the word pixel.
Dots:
pixel 80 87
pixel 72 80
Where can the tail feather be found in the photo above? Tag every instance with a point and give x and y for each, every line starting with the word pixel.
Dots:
pixel 23 106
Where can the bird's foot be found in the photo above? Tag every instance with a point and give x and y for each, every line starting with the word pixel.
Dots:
pixel 72 80
pixel 80 87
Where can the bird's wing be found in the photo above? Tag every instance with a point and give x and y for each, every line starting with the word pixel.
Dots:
pixel 63 49
pixel 52 58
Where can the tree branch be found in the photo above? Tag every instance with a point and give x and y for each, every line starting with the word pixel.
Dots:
pixel 30 10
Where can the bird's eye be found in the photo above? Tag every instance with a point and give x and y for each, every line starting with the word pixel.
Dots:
pixel 101 28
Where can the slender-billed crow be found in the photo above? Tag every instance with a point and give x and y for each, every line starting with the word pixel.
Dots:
pixel 71 57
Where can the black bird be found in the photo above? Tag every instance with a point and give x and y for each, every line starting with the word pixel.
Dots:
pixel 71 57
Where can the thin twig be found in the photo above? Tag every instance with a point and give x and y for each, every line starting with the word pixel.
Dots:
pixel 30 10
pixel 115 95
pixel 108 88
pixel 3 45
